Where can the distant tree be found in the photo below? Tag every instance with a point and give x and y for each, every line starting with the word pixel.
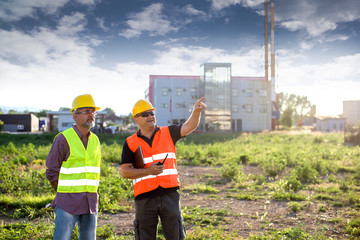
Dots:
pixel 12 111
pixel 286 118
pixel 1 125
pixel 129 119
pixel 300 105
pixel 64 109
pixel 42 113
pixel 109 111
pixel 1 111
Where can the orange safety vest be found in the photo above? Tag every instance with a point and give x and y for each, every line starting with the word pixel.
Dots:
pixel 162 144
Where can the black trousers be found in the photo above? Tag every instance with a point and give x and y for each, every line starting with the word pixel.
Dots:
pixel 148 211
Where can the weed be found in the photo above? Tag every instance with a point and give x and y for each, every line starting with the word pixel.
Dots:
pixel 353 227
pixel 200 188
pixel 295 206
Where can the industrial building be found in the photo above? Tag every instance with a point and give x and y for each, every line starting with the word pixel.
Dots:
pixel 233 103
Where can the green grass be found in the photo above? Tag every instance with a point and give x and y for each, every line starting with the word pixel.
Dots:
pixel 291 169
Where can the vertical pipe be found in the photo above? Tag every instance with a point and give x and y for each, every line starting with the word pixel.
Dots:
pixel 266 8
pixel 273 97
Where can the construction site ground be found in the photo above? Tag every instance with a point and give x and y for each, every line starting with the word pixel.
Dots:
pixel 248 217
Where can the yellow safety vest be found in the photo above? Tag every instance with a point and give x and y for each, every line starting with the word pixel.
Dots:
pixel 81 171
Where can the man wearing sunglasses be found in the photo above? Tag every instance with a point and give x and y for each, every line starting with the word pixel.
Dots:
pixel 156 184
pixel 73 169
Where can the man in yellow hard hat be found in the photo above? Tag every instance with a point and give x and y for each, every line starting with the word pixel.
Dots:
pixel 73 169
pixel 156 184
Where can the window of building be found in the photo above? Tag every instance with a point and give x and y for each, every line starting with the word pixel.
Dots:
pixel 248 108
pixel 262 108
pixel 164 105
pixel 193 93
pixel 164 91
pixel 180 105
pixel 179 91
pixel 235 108
pixel 248 92
pixel 262 92
pixel 235 92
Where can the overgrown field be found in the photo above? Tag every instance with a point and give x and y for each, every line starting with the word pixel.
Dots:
pixel 297 171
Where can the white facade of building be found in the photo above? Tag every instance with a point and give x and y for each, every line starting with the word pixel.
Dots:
pixel 238 104
pixel 351 111
pixel 173 97
pixel 330 124
pixel 251 104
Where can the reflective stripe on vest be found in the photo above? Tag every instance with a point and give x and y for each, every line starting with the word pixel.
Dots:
pixel 81 171
pixel 162 144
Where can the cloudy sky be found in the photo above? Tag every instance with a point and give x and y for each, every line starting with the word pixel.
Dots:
pixel 52 51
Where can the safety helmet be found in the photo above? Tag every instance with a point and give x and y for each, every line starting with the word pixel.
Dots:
pixel 142 106
pixel 83 101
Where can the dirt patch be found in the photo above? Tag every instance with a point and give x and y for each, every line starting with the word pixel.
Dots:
pixel 247 217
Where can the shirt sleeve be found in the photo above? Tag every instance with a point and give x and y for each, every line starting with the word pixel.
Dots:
pixel 59 153
pixel 127 156
pixel 175 132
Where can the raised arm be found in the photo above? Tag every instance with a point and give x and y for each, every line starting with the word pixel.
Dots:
pixel 194 119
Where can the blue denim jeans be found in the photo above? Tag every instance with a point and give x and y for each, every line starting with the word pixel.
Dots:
pixel 65 223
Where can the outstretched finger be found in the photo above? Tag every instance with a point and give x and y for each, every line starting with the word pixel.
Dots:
pixel 199 101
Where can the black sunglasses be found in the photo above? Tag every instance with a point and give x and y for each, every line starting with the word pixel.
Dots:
pixel 145 114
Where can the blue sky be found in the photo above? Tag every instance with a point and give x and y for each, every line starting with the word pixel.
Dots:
pixel 52 51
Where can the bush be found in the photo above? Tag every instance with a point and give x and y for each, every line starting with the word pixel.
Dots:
pixel 306 174
pixel 293 184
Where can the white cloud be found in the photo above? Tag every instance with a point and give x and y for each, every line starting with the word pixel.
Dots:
pixel 221 4
pixel 72 24
pixel 12 10
pixel 150 20
pixel 335 37
pixel 87 2
pixel 45 45
pixel 189 9
pixel 101 23
pixel 316 17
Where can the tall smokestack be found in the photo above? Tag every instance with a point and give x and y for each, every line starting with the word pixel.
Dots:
pixel 273 97
pixel 266 8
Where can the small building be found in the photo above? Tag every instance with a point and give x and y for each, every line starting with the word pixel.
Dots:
pixel 62 120
pixel 329 123
pixel 351 111
pixel 20 122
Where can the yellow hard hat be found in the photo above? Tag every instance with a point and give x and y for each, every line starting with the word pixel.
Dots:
pixel 142 106
pixel 82 101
